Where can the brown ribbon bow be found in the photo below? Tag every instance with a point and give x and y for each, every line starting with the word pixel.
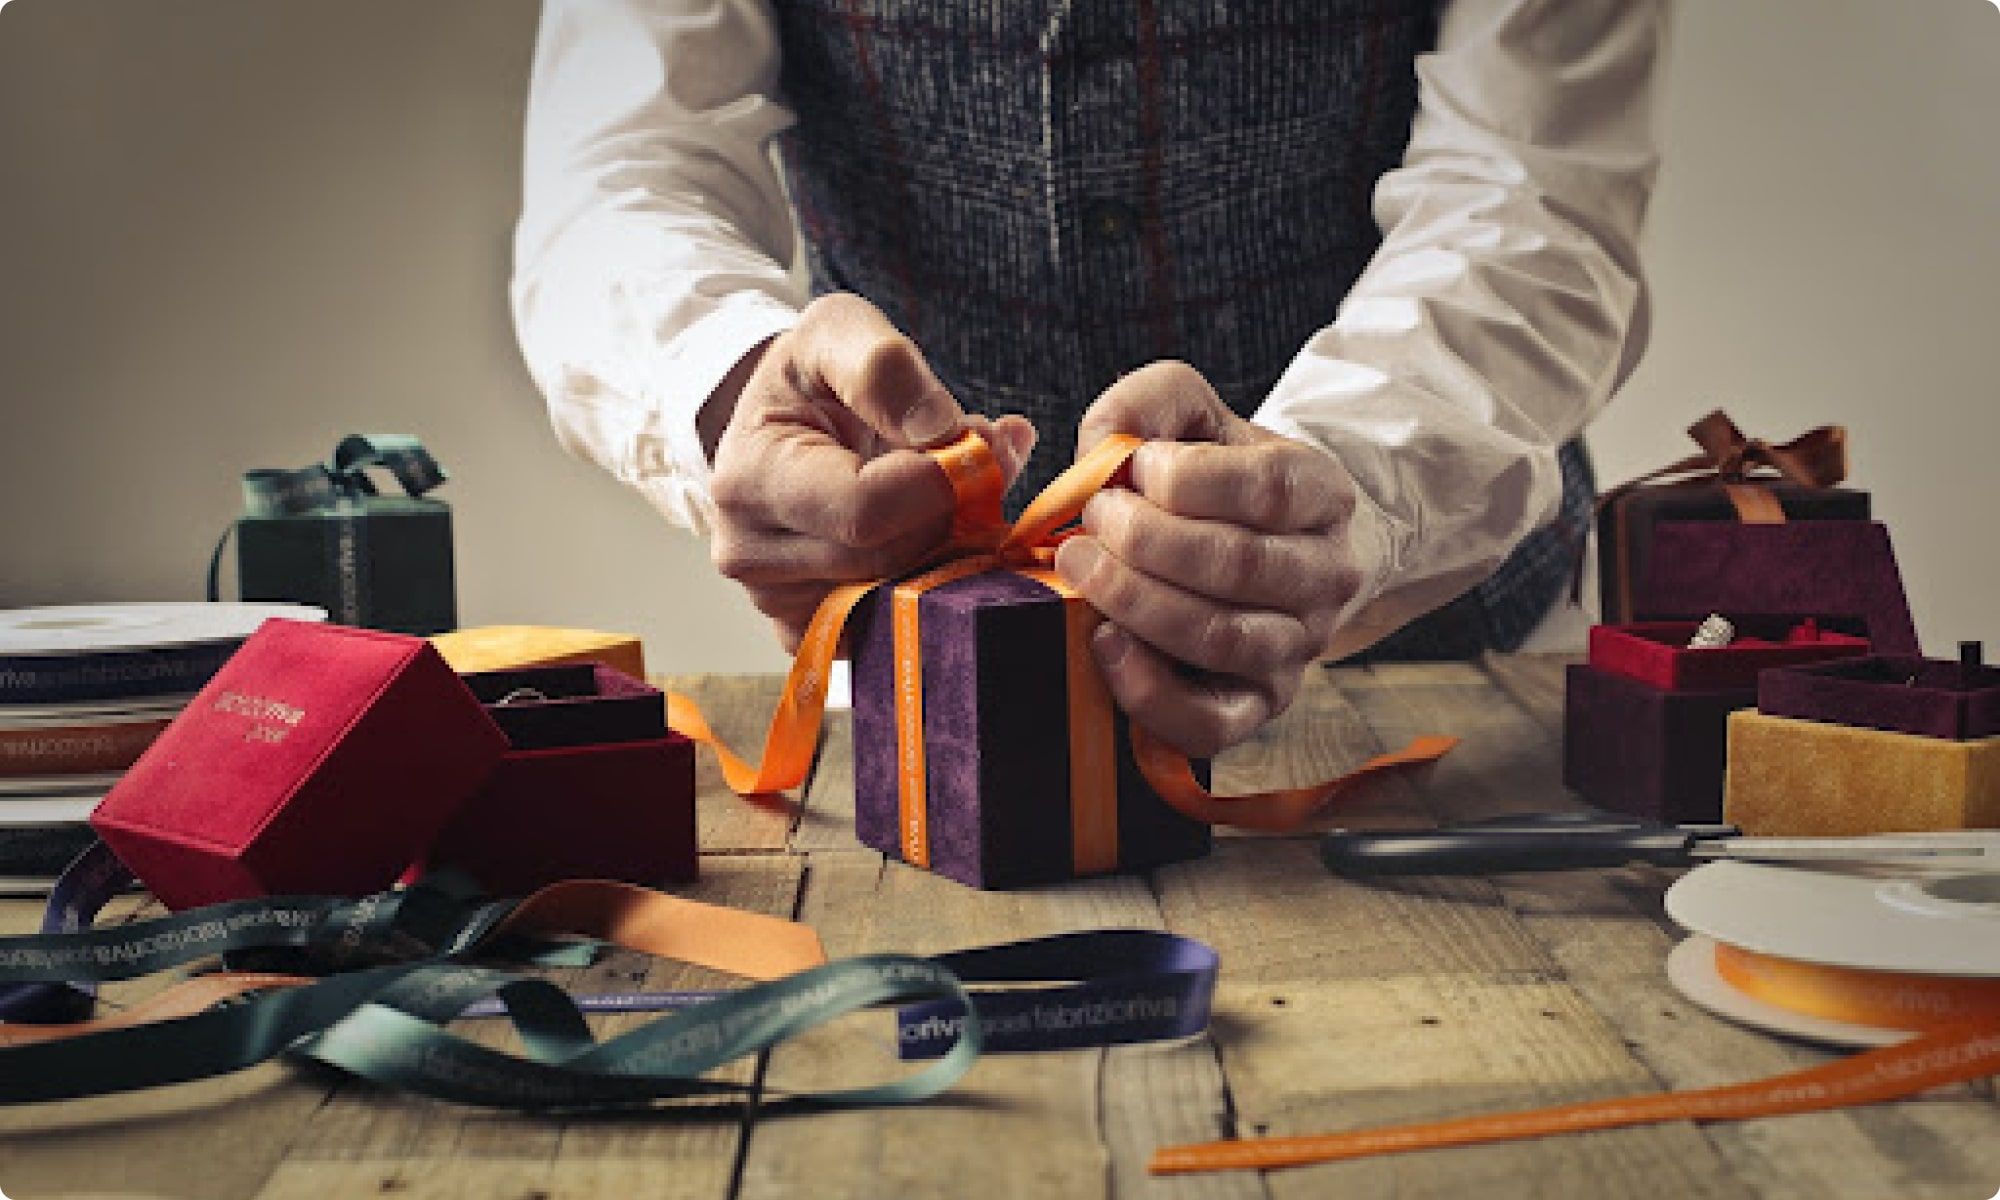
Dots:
pixel 1744 466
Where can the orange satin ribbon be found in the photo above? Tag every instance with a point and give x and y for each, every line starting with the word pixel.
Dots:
pixel 746 944
pixel 1959 1039
pixel 981 540
pixel 1882 999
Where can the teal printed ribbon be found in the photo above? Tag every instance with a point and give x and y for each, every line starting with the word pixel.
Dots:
pixel 400 978
pixel 338 486
pixel 383 1022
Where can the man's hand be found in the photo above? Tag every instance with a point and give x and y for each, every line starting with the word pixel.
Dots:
pixel 1221 572
pixel 818 479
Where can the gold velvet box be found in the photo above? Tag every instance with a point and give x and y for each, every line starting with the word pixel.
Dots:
pixel 1791 777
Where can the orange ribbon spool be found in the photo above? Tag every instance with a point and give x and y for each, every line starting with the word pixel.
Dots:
pixel 1957 1021
pixel 981 540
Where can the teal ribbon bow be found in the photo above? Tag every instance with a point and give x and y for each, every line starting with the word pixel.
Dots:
pixel 341 483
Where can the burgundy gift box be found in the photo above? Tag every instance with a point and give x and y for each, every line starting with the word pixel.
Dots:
pixel 995 705
pixel 1635 746
pixel 1626 528
pixel 1842 574
pixel 1657 653
pixel 594 785
pixel 1897 693
pixel 319 759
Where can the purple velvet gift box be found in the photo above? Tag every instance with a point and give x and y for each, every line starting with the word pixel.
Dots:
pixel 1661 753
pixel 995 651
pixel 1899 693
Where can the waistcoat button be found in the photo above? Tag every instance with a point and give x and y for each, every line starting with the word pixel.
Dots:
pixel 1110 220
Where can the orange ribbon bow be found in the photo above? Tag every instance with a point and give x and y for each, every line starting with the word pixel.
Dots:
pixel 981 540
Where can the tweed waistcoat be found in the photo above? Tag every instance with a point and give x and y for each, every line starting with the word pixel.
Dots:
pixel 1046 194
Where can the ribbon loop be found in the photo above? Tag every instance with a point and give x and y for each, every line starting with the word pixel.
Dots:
pixel 981 540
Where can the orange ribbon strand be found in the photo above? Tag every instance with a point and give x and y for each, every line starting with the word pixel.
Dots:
pixel 982 541
pixel 1960 1020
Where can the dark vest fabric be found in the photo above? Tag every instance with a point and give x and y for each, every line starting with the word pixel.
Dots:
pixel 1046 194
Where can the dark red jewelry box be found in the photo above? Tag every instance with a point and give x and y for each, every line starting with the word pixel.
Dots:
pixel 1625 528
pixel 319 759
pixel 594 785
pixel 1643 734
pixel 1902 694
pixel 1631 747
pixel 1657 653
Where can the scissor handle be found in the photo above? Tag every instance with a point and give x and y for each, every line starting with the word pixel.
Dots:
pixel 1489 850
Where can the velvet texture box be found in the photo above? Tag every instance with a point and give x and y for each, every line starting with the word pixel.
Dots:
pixel 1657 653
pixel 1791 777
pixel 380 562
pixel 1661 752
pixel 1843 574
pixel 594 785
pixel 1896 693
pixel 994 757
pixel 319 759
pixel 1635 748
pixel 505 647
pixel 1626 528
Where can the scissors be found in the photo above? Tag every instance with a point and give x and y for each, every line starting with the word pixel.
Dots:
pixel 1575 840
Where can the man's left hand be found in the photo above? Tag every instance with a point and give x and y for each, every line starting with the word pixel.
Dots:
pixel 1221 572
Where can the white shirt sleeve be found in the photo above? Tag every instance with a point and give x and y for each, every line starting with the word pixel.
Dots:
pixel 1502 309
pixel 654 239
pixel 1505 303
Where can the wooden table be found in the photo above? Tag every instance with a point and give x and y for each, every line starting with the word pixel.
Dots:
pixel 1340 1006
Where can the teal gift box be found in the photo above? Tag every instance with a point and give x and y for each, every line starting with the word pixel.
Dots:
pixel 324 535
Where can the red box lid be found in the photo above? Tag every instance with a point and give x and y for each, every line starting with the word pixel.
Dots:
pixel 320 759
pixel 1656 652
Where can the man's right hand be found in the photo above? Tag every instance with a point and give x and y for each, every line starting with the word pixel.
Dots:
pixel 819 478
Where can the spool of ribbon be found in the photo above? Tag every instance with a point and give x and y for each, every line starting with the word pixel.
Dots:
pixel 336 485
pixel 1957 1021
pixel 1745 467
pixel 981 540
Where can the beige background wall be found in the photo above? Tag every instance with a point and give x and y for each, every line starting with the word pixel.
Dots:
pixel 231 230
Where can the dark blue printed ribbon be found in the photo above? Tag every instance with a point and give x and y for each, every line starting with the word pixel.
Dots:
pixel 116 675
pixel 398 979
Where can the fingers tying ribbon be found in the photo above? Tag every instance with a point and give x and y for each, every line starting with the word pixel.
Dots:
pixel 981 540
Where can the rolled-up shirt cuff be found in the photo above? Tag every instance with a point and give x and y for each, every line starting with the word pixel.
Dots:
pixel 670 465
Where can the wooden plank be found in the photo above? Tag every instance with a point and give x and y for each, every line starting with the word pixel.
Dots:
pixel 1608 935
pixel 738 708
pixel 826 819
pixel 1507 763
pixel 1078 1123
pixel 399 1142
pixel 1322 735
pixel 1349 1006
pixel 1534 682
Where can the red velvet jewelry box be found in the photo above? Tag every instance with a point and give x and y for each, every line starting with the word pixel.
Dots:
pixel 319 759
pixel 1646 721
pixel 593 785
pixel 1657 653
